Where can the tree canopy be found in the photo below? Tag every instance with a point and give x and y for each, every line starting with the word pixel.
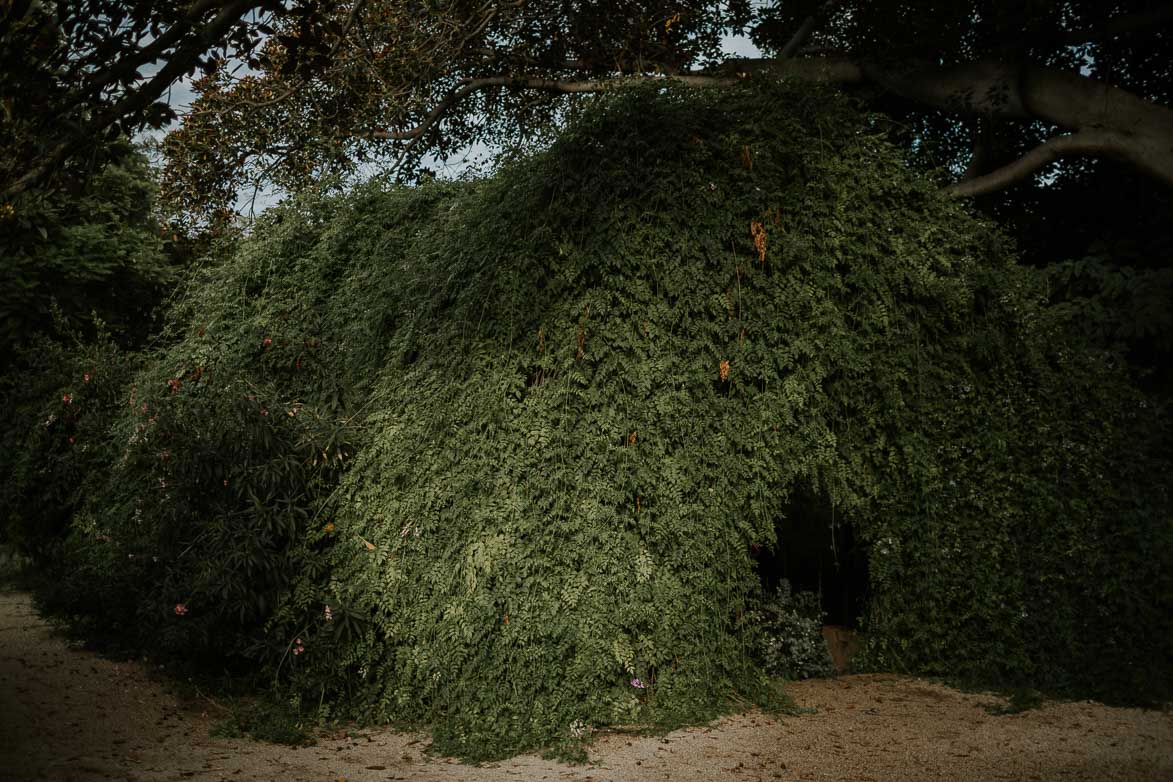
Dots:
pixel 991 91
pixel 98 252
pixel 77 73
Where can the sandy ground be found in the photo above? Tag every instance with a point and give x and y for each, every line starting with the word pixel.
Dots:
pixel 70 715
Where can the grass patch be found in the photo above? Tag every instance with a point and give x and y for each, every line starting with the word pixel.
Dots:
pixel 14 570
pixel 1019 697
pixel 776 701
pixel 1018 700
pixel 263 720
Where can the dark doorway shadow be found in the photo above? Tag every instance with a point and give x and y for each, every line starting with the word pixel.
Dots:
pixel 817 552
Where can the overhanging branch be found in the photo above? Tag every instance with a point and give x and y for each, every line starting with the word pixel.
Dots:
pixel 1106 121
pixel 546 85
pixel 982 133
pixel 1086 143
pixel 804 31
pixel 194 42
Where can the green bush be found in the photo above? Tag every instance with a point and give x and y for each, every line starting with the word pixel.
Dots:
pixel 67 256
pixel 187 540
pixel 81 276
pixel 497 453
pixel 792 643
pixel 58 409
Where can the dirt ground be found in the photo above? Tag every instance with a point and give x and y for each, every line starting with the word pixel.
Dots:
pixel 71 715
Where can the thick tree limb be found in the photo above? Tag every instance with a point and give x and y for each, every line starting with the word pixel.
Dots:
pixel 1104 120
pixel 808 26
pixel 1084 143
pixel 1130 128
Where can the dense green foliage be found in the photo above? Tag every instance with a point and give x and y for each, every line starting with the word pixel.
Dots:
pixel 81 274
pixel 792 644
pixel 493 456
pixel 55 410
pixel 98 250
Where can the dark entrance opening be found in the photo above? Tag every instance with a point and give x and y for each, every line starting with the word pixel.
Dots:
pixel 817 552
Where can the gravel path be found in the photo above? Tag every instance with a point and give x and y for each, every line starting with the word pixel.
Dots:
pixel 70 715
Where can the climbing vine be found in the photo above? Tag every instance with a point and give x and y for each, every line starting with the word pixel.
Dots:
pixel 500 450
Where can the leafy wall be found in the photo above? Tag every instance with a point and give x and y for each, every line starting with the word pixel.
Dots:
pixel 493 456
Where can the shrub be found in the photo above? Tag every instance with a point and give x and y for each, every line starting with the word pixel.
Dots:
pixel 523 433
pixel 99 250
pixel 792 643
pixel 58 409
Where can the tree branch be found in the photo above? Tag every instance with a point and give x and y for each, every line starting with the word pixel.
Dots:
pixel 1106 121
pixel 806 28
pixel 178 63
pixel 1093 143
pixel 982 132
pixel 546 85
pixel 127 65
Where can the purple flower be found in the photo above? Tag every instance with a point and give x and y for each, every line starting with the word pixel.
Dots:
pixel 639 685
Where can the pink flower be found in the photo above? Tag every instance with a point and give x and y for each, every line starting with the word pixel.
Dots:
pixel 86 377
pixel 298 648
pixel 180 609
pixel 67 398
pixel 268 341
pixel 328 614
pixel 639 685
